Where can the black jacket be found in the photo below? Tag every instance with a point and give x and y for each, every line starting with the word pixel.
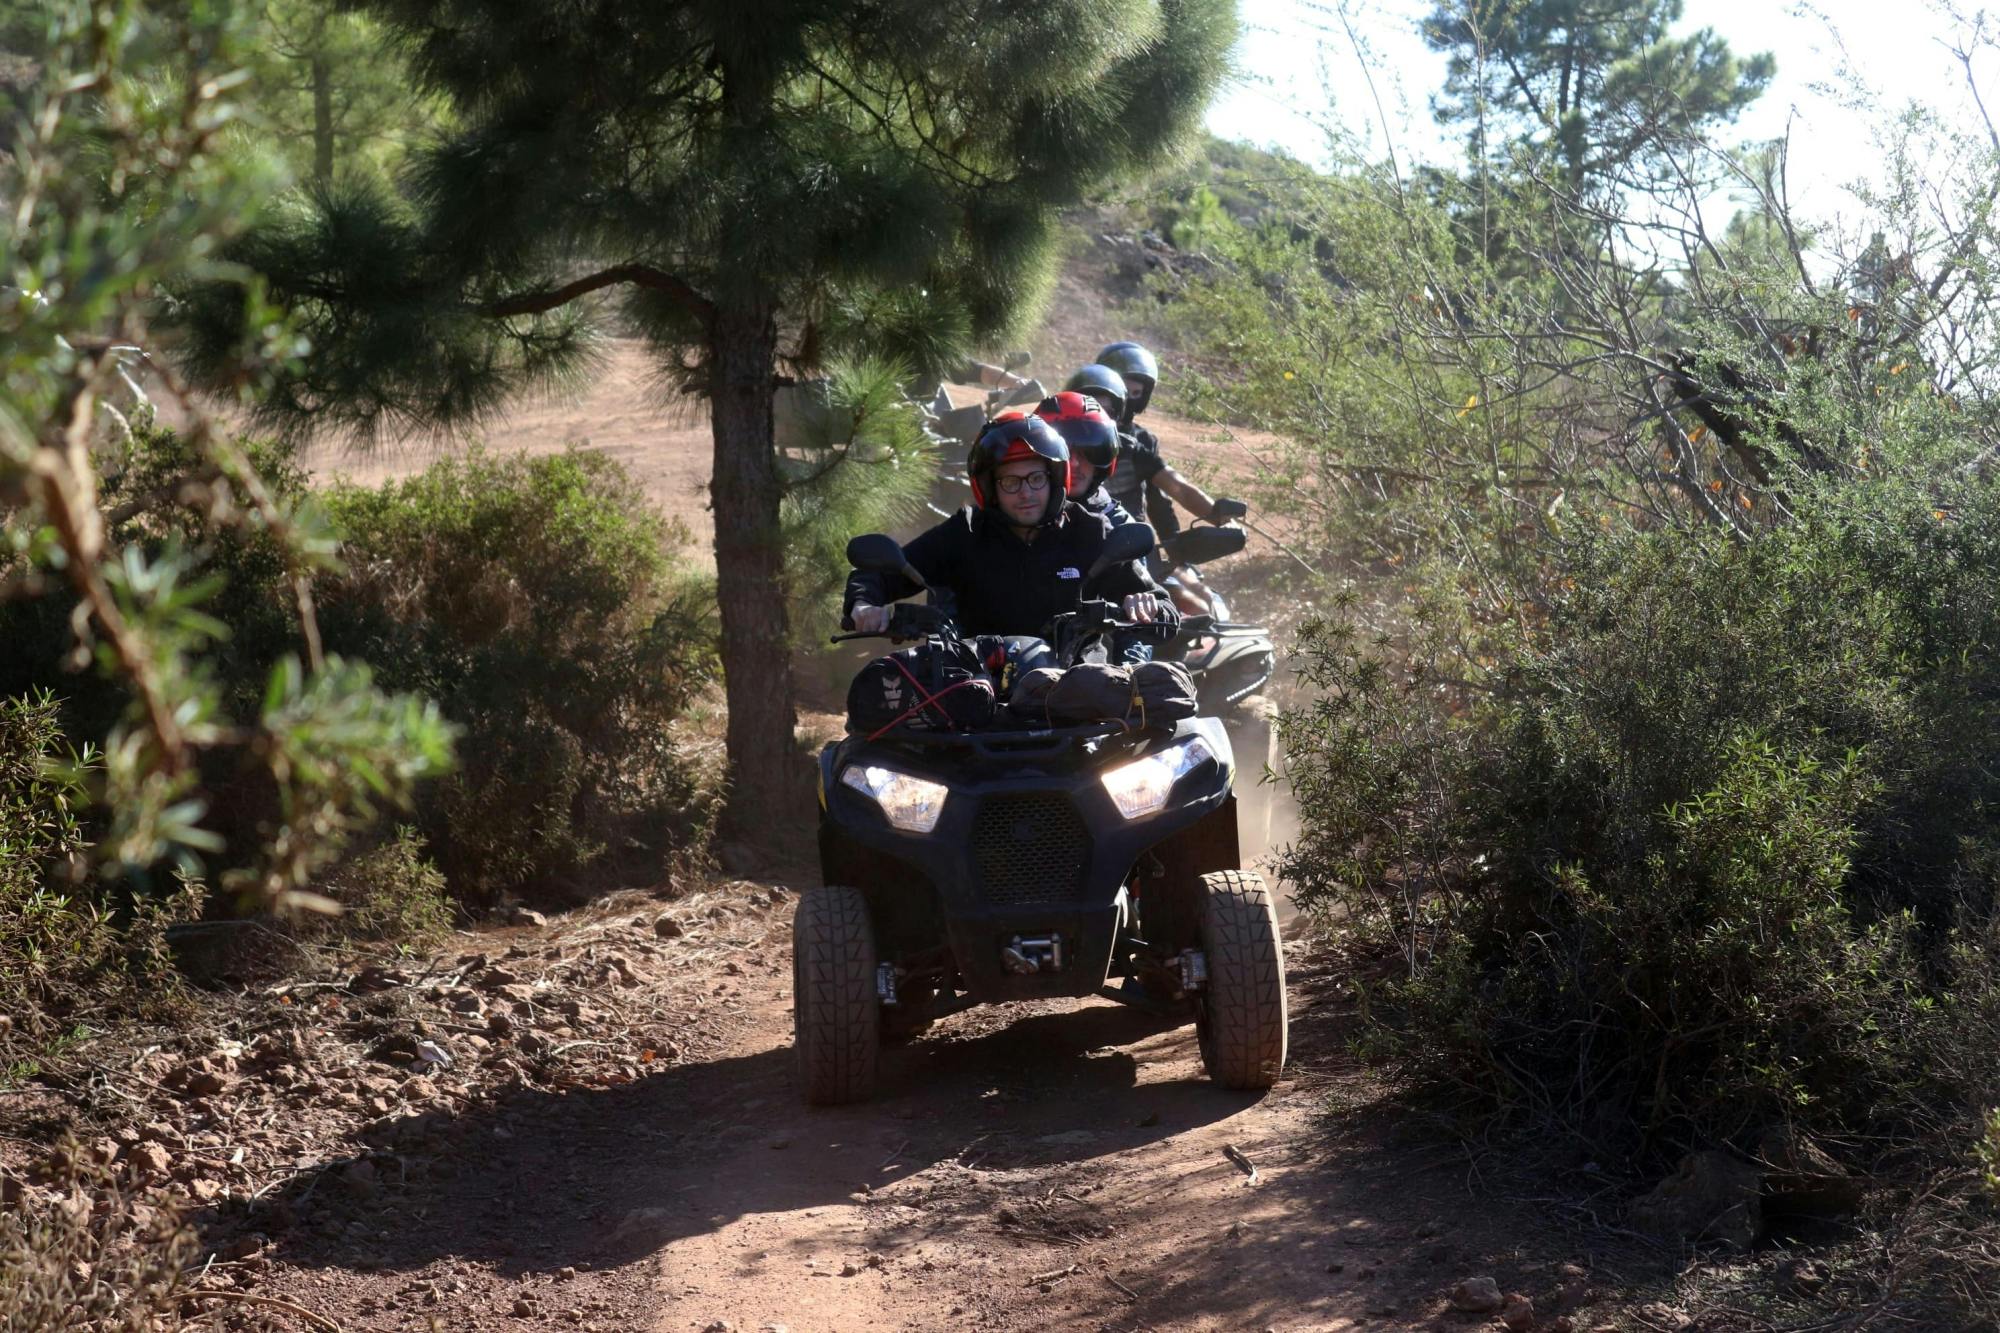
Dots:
pixel 1134 485
pixel 1003 585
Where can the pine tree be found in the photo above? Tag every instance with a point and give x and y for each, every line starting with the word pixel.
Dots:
pixel 727 174
pixel 1599 84
pixel 327 87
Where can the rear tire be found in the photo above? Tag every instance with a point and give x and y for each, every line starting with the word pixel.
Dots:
pixel 836 1019
pixel 1240 1014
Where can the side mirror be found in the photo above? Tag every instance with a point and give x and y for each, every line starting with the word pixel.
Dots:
pixel 882 554
pixel 1198 546
pixel 1225 509
pixel 1127 542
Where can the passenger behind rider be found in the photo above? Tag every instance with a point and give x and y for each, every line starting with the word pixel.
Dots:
pixel 1123 379
pixel 1015 558
pixel 1092 436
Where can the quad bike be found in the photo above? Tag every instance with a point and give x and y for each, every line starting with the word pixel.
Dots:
pixel 1229 661
pixel 963 424
pixel 1030 862
pixel 955 429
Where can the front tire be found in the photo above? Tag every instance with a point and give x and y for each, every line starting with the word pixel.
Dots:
pixel 1240 1015
pixel 836 1019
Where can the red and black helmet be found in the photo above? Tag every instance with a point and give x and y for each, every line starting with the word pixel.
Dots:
pixel 1088 430
pixel 1011 440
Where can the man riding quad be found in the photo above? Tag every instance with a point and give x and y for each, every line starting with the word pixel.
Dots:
pixel 1015 558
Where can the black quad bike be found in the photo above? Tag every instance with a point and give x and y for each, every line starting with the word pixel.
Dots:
pixel 1031 862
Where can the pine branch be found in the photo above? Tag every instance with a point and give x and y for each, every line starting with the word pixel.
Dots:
pixel 640 275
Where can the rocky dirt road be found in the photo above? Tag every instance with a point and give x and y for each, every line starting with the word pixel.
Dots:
pixel 616 1146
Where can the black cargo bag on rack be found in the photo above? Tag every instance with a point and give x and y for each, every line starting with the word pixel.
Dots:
pixel 1146 695
pixel 1161 692
pixel 925 688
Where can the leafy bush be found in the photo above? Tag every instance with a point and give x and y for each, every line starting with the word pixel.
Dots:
pixel 120 197
pixel 392 894
pixel 535 599
pixel 535 602
pixel 62 955
pixel 47 939
pixel 1714 850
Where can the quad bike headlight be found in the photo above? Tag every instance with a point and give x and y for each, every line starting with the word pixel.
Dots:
pixel 912 804
pixel 1142 786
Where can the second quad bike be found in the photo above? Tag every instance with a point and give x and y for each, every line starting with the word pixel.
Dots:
pixel 1023 862
pixel 1230 662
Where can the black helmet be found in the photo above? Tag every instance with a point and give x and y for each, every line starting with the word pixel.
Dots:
pixel 1104 384
pixel 1134 362
pixel 1009 439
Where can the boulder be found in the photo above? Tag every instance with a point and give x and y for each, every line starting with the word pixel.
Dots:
pixel 1802 1180
pixel 1476 1295
pixel 1712 1198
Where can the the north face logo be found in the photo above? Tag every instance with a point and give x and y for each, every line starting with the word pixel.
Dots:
pixel 1068 572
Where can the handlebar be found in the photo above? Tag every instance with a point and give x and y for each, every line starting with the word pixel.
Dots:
pixel 907 621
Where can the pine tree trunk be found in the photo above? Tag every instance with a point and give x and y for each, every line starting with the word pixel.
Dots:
pixel 322 90
pixel 768 778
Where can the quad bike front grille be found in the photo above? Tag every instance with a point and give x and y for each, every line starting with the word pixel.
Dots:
pixel 1030 848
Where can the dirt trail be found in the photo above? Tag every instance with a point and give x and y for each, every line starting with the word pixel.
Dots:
pixel 1059 1166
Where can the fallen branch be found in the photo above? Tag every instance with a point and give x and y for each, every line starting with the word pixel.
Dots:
pixel 1121 1286
pixel 1249 1168
pixel 1053 1274
pixel 316 1320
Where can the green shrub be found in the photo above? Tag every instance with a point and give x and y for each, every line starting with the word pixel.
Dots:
pixel 1711 847
pixel 536 600
pixel 50 942
pixel 63 955
pixel 392 894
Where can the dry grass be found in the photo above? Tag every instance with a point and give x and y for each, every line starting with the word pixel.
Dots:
pixel 79 1251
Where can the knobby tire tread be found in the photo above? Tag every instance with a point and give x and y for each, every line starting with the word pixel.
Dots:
pixel 1245 1037
pixel 835 1015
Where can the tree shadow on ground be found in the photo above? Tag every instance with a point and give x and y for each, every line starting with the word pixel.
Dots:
pixel 1369 1208
pixel 540 1179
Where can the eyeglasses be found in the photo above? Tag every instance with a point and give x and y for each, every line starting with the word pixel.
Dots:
pixel 1034 481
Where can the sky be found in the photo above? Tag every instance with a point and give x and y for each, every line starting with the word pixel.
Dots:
pixel 1294 51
